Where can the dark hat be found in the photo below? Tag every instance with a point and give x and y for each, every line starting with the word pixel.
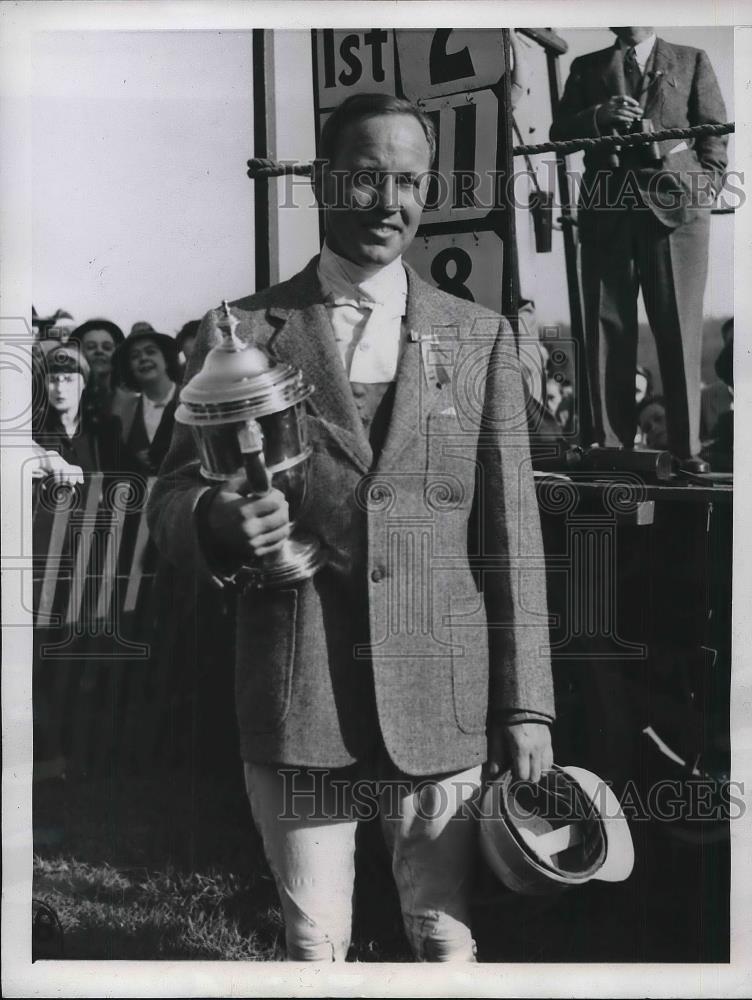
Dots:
pixel 98 324
pixel 141 326
pixel 189 329
pixel 60 357
pixel 140 332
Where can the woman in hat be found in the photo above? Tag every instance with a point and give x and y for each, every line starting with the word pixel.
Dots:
pixel 64 423
pixel 98 340
pixel 147 362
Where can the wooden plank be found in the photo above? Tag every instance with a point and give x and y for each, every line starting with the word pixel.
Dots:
pixel 53 565
pixel 136 573
pixel 266 226
pixel 83 549
pixel 112 548
pixel 547 38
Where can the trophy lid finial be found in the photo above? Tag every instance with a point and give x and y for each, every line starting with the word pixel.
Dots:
pixel 237 377
pixel 228 340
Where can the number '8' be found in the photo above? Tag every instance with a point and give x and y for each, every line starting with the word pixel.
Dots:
pixel 455 283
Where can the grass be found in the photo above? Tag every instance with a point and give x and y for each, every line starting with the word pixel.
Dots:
pixel 165 866
pixel 106 913
pixel 170 866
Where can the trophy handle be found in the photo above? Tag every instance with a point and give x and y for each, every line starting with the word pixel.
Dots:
pixel 251 441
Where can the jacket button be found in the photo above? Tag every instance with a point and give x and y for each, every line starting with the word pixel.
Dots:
pixel 378 574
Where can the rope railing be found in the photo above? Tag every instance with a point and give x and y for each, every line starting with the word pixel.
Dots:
pixel 263 168
pixel 623 140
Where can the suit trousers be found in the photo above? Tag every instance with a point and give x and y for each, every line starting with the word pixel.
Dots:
pixel 307 819
pixel 630 249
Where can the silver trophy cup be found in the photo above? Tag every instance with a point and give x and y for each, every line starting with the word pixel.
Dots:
pixel 248 416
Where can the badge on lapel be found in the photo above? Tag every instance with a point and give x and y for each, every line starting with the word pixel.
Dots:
pixel 436 359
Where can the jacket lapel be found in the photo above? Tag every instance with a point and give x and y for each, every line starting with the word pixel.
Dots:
pixel 661 73
pixel 612 71
pixel 659 70
pixel 304 338
pixel 414 397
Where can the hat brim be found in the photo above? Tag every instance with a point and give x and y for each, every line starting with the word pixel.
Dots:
pixel 165 342
pixel 620 856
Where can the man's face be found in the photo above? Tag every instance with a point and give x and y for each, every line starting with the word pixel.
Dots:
pixel 375 188
pixel 632 36
pixel 653 426
pixel 553 394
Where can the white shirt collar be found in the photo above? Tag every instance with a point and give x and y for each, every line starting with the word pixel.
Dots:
pixel 342 278
pixel 642 49
pixel 159 404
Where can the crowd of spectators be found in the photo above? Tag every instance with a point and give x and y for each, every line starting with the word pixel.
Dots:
pixel 104 402
pixel 716 409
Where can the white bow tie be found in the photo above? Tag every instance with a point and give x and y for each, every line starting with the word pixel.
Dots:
pixel 349 300
pixel 394 304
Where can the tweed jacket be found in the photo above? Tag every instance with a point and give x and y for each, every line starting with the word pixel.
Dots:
pixel 431 610
pixel 679 90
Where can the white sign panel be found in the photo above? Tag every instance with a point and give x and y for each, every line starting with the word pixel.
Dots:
pixel 467 265
pixel 467 133
pixel 353 62
pixel 449 61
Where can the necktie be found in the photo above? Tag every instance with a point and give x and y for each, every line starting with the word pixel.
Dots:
pixel 368 307
pixel 632 73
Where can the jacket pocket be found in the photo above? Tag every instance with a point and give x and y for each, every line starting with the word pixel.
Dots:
pixel 469 643
pixel 449 477
pixel 266 641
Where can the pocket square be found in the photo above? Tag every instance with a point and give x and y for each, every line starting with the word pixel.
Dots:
pixel 678 148
pixel 448 412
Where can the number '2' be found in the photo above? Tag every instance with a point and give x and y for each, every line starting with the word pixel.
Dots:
pixel 443 66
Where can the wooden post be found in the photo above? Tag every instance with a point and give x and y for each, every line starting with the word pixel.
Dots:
pixel 266 228
pixel 584 393
pixel 511 274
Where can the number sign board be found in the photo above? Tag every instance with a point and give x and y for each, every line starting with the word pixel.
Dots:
pixel 353 62
pixel 466 131
pixel 448 61
pixel 467 265
pixel 452 75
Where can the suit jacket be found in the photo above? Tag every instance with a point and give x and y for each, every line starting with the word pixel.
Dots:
pixel 679 90
pixel 394 632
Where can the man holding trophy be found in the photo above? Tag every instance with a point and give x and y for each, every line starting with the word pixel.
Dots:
pixel 396 636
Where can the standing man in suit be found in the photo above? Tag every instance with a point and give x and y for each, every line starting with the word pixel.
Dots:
pixel 644 222
pixel 395 668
